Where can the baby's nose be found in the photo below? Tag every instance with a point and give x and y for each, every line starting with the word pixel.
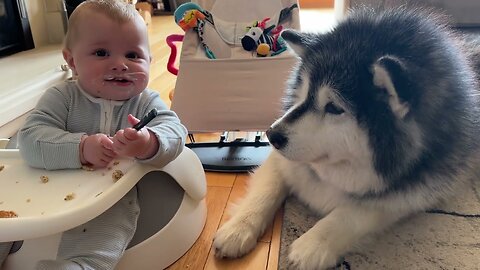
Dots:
pixel 119 65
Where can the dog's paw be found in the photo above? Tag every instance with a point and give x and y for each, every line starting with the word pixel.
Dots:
pixel 234 239
pixel 311 253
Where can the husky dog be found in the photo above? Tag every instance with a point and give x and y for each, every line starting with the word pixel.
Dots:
pixel 380 122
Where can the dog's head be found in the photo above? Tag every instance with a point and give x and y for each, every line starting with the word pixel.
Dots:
pixel 369 96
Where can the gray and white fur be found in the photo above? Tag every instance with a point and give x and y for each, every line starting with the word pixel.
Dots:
pixel 381 121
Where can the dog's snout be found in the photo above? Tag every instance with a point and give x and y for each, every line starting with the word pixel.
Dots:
pixel 276 138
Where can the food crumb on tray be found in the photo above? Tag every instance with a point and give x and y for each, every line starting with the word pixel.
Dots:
pixel 87 168
pixel 116 175
pixel 7 214
pixel 69 197
pixel 44 179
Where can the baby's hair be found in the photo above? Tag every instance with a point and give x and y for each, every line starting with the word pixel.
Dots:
pixel 116 10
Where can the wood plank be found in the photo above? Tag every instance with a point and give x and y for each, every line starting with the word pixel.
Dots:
pixel 196 257
pixel 255 260
pixel 218 179
pixel 163 85
pixel 274 252
pixel 238 192
pixel 258 258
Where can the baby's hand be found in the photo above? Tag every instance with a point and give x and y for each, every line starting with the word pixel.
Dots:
pixel 129 142
pixel 96 150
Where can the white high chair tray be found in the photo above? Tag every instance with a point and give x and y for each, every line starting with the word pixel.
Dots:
pixel 44 209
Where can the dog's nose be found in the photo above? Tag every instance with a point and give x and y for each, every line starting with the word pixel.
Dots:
pixel 276 138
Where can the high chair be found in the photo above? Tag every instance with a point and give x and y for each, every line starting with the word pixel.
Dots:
pixel 172 200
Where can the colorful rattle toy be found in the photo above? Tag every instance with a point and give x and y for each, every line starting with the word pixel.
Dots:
pixel 191 16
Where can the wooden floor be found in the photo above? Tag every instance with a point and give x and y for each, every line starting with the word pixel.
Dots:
pixel 223 188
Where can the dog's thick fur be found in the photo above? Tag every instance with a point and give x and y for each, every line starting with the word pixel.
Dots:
pixel 381 121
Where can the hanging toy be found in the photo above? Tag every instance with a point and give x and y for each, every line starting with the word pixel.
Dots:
pixel 191 16
pixel 266 41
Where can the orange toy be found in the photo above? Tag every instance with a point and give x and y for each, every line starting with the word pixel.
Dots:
pixel 190 19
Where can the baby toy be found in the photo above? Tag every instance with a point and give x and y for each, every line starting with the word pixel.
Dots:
pixel 173 52
pixel 191 16
pixel 264 40
pixel 190 19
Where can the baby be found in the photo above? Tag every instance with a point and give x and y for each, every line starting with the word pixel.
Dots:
pixel 88 121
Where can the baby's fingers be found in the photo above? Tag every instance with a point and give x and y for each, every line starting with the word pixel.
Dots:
pixel 133 120
pixel 131 134
pixel 119 138
pixel 101 162
pixel 109 153
pixel 106 142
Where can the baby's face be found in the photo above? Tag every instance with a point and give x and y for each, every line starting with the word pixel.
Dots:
pixel 111 59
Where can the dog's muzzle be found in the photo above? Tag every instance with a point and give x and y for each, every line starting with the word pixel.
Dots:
pixel 276 138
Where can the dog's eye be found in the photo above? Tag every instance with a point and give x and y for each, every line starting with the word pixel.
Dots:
pixel 333 109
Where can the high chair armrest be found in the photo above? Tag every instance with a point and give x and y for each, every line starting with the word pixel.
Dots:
pixel 187 170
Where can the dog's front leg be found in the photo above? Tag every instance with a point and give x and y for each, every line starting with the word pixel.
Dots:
pixel 336 234
pixel 265 195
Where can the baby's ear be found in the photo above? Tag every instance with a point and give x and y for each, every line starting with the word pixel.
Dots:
pixel 67 55
pixel 295 40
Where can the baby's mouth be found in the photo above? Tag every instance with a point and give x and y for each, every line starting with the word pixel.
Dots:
pixel 117 79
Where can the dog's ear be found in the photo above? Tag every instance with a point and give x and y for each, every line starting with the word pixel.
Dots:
pixel 295 40
pixel 390 74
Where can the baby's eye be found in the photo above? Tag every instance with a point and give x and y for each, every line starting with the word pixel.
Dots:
pixel 101 53
pixel 132 55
